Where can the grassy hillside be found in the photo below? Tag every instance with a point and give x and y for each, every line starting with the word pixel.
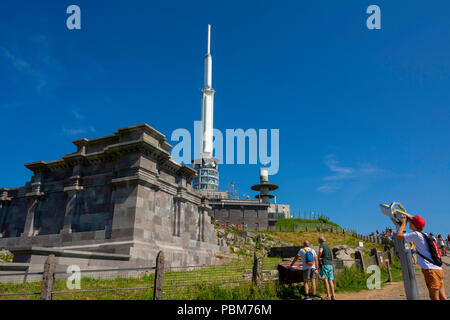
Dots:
pixel 333 239
pixel 293 222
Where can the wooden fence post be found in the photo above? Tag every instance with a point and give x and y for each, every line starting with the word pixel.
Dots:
pixel 258 260
pixel 388 265
pixel 358 255
pixel 48 278
pixel 374 252
pixel 159 275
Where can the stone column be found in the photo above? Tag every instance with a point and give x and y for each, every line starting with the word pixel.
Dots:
pixel 73 193
pixel 4 202
pixel 177 216
pixel 33 198
pixel 200 225
pixel 181 206
pixel 204 210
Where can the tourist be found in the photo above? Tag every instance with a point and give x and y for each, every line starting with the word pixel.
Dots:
pixel 310 261
pixel 441 244
pixel 448 241
pixel 326 269
pixel 433 274
pixel 433 237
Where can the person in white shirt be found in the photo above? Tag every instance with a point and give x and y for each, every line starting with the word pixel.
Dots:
pixel 434 275
pixel 310 268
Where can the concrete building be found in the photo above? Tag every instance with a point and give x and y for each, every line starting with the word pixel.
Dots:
pixel 117 200
pixel 276 212
pixel 250 214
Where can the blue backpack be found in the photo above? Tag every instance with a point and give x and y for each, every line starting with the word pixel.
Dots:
pixel 309 257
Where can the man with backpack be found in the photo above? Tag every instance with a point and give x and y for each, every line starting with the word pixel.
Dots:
pixel 326 267
pixel 310 264
pixel 428 256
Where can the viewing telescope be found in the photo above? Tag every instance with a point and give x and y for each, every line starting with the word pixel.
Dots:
pixel 395 214
pixel 395 211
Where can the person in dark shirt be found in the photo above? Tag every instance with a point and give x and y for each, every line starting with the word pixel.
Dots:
pixel 326 269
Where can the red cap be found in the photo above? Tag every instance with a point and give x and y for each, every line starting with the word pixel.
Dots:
pixel 418 221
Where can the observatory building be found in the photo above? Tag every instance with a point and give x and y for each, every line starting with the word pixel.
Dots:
pixel 264 187
pixel 257 214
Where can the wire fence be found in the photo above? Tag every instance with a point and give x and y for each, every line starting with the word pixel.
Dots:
pixel 184 282
pixel 131 283
pixel 141 283
pixel 135 283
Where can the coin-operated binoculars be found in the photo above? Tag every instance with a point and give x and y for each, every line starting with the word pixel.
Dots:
pixel 395 211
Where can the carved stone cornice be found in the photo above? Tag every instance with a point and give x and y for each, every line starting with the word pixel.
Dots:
pixel 71 189
pixel 74 185
pixel 138 178
pixel 204 205
pixel 35 191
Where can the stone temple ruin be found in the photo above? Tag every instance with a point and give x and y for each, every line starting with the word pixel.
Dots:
pixel 116 201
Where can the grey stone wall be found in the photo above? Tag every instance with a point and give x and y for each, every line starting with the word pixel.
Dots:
pixel 120 194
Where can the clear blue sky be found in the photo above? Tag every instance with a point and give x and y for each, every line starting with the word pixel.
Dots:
pixel 363 115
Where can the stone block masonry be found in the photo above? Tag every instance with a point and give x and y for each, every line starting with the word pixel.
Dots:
pixel 120 195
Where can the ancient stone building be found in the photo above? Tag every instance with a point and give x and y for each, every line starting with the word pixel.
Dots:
pixel 117 200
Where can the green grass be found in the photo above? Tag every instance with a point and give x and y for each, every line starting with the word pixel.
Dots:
pixel 350 281
pixel 305 224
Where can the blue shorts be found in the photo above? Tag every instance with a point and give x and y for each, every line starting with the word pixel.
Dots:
pixel 327 272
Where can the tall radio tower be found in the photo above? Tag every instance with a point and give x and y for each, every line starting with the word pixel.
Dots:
pixel 207 166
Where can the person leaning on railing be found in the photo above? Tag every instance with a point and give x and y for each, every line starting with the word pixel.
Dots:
pixel 309 268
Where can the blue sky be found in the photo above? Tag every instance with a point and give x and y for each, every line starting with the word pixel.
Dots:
pixel 363 114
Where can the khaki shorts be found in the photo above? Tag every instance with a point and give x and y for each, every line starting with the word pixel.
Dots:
pixel 434 278
pixel 309 274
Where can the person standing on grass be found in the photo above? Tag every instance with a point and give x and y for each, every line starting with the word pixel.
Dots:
pixel 433 274
pixel 326 271
pixel 310 264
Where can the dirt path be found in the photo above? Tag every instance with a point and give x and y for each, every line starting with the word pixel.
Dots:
pixel 396 291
